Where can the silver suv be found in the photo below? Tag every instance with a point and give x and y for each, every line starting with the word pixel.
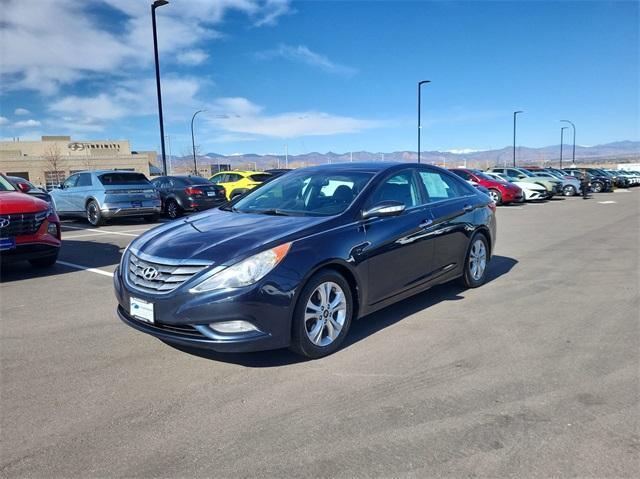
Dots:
pixel 103 194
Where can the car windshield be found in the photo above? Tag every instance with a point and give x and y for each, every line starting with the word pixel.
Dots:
pixel 122 178
pixel 484 176
pixel 305 193
pixel 496 177
pixel 5 185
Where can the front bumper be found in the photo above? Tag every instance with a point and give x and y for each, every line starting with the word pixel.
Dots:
pixel 183 318
pixel 27 251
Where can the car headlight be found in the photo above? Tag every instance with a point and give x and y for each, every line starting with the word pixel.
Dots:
pixel 246 272
pixel 42 215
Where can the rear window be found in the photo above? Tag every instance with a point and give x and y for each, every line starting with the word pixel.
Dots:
pixel 123 179
pixel 260 177
pixel 193 180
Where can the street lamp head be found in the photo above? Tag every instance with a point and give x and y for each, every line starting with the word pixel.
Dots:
pixel 159 3
pixel 422 82
pixel 519 111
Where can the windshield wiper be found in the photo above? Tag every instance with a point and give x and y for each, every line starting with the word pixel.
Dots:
pixel 272 212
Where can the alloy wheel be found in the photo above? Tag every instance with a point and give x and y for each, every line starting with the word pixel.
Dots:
pixel 477 259
pixel 494 196
pixel 325 314
pixel 172 209
pixel 92 213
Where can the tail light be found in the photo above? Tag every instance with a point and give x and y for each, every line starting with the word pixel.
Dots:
pixel 190 190
pixel 223 191
pixel 492 206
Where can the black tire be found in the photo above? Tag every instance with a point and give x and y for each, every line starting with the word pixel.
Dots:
pixel 569 190
pixel 468 280
pixel 94 215
pixel 172 209
pixel 300 341
pixel 496 196
pixel 150 218
pixel 44 262
pixel 597 187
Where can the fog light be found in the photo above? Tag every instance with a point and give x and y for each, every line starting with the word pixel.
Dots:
pixel 52 229
pixel 233 327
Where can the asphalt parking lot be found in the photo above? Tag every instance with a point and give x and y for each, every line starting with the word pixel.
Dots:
pixel 535 374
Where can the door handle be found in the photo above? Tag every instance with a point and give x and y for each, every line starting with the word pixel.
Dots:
pixel 468 208
pixel 426 223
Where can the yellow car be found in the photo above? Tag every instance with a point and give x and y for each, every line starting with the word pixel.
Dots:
pixel 238 182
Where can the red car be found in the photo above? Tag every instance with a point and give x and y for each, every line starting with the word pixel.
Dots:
pixel 29 227
pixel 502 193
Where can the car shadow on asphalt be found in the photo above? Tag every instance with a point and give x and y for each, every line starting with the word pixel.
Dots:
pixel 362 328
pixel 86 253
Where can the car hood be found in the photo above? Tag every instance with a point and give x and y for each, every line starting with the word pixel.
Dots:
pixel 221 236
pixel 529 186
pixel 16 202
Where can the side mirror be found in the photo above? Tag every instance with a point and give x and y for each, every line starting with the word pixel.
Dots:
pixel 384 209
pixel 24 187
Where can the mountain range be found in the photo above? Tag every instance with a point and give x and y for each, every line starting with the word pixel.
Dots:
pixel 619 151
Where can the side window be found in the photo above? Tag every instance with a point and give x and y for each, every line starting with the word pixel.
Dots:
pixel 498 170
pixel 440 186
pixel 84 179
pixel 232 178
pixel 71 182
pixel 400 187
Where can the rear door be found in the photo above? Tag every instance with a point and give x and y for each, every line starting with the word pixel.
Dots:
pixel 400 253
pixel 452 203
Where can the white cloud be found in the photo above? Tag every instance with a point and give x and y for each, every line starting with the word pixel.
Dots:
pixel 240 116
pixel 61 42
pixel 26 124
pixel 303 54
pixel 192 57
pixel 4 120
pixel 21 111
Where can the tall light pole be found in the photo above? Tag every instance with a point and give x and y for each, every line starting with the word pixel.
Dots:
pixel 193 143
pixel 420 83
pixel 573 155
pixel 515 113
pixel 562 142
pixel 154 5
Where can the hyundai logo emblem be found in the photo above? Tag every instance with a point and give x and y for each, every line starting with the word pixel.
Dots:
pixel 150 273
pixel 4 222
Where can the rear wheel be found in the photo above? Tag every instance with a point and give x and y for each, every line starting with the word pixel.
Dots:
pixel 173 209
pixel 322 316
pixel 475 265
pixel 569 190
pixel 44 262
pixel 94 215
pixel 496 196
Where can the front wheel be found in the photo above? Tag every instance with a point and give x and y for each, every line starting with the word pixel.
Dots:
pixel 496 196
pixel 322 316
pixel 475 265
pixel 569 190
pixel 94 215
pixel 596 187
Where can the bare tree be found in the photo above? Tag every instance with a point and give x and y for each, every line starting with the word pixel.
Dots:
pixel 53 160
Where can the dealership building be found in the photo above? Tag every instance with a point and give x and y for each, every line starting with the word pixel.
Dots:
pixel 50 160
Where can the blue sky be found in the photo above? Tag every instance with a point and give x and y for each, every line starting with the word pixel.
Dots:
pixel 321 76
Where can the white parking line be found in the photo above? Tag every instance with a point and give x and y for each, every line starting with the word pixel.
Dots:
pixel 105 232
pixel 606 202
pixel 84 268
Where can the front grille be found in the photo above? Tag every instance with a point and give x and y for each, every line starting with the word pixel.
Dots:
pixel 169 274
pixel 21 224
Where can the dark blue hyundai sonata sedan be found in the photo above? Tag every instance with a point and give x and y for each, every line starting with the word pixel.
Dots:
pixel 294 261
